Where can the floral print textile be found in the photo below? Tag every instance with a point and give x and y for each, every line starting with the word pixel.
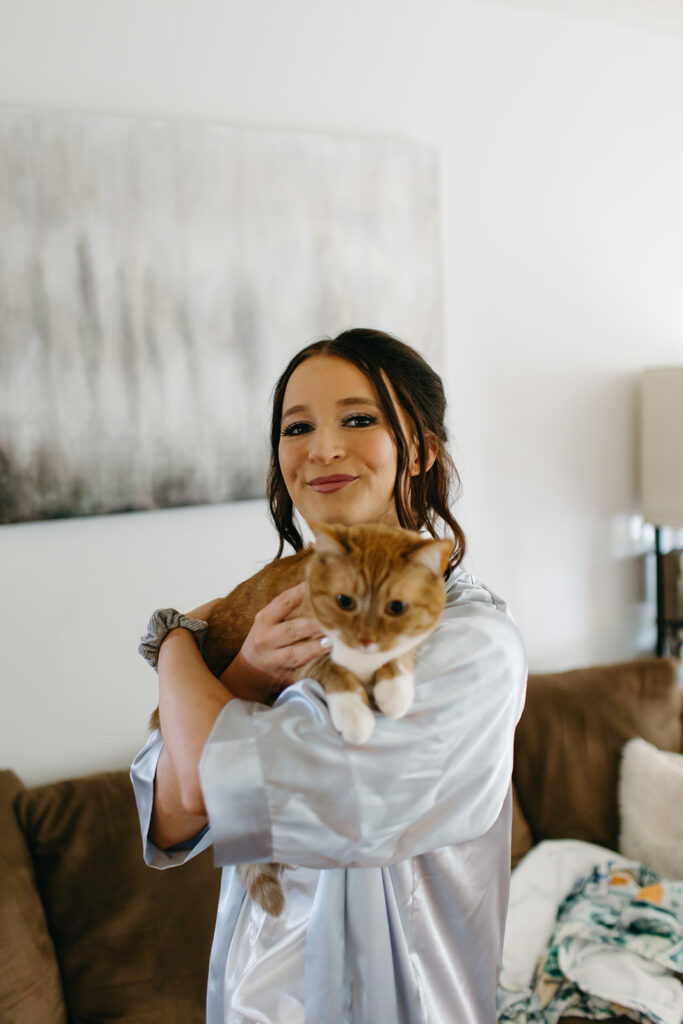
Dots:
pixel 618 935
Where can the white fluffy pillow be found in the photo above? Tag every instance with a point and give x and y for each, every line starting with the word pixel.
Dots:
pixel 651 807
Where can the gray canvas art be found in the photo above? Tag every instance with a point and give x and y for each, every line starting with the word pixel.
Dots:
pixel 156 276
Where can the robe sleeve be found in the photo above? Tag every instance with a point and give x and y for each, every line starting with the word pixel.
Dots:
pixel 280 784
pixel 142 774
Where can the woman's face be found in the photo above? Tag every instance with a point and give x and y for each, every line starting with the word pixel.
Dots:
pixel 336 453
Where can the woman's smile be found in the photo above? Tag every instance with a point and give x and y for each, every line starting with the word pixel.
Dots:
pixel 325 484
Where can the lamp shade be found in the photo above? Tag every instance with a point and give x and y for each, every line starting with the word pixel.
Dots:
pixel 661 462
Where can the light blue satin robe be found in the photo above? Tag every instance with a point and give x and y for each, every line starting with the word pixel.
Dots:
pixel 409 834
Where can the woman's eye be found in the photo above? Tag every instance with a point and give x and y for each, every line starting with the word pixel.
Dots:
pixel 395 608
pixel 361 419
pixel 345 602
pixel 295 429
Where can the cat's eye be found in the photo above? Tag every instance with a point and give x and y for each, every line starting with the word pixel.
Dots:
pixel 395 608
pixel 345 602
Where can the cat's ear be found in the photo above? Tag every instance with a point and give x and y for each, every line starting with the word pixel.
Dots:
pixel 432 554
pixel 328 539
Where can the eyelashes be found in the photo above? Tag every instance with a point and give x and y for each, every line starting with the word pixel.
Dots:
pixel 354 421
pixel 295 430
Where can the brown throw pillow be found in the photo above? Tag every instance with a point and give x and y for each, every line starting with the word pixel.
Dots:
pixel 30 988
pixel 133 943
pixel 569 739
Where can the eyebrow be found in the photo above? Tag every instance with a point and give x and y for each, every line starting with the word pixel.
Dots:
pixel 359 400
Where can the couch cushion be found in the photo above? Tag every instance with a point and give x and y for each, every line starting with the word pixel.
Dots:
pixel 133 942
pixel 569 739
pixel 522 840
pixel 30 987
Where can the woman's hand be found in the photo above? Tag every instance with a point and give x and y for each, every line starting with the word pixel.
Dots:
pixel 275 648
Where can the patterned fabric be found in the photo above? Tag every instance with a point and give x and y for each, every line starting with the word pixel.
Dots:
pixel 617 948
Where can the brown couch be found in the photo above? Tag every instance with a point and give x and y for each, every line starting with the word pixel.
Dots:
pixel 89 933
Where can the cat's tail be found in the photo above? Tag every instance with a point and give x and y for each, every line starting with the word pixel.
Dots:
pixel 262 883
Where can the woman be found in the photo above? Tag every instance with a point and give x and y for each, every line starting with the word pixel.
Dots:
pixel 399 850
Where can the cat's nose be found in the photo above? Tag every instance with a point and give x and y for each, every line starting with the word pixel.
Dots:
pixel 365 641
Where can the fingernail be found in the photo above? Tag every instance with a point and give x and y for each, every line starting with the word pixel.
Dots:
pixel 325 641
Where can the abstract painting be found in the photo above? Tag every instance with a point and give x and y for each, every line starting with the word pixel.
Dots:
pixel 155 278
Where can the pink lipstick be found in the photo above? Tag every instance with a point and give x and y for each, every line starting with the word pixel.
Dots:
pixel 325 484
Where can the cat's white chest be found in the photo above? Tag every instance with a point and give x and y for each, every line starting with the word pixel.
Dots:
pixel 351 716
pixel 363 663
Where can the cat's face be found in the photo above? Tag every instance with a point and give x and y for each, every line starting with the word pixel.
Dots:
pixel 374 588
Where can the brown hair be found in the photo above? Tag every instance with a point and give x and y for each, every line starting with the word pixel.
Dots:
pixel 420 393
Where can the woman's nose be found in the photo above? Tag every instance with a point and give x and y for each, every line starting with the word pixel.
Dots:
pixel 326 445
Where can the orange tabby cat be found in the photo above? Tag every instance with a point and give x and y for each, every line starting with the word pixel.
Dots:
pixel 377 591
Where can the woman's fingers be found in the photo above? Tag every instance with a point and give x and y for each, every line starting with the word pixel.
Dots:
pixel 290 645
pixel 293 631
pixel 282 631
pixel 298 654
pixel 282 605
pixel 278 645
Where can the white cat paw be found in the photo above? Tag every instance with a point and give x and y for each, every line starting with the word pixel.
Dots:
pixel 351 716
pixel 394 696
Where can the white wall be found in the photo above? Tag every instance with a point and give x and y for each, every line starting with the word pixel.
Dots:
pixel 75 696
pixel 558 125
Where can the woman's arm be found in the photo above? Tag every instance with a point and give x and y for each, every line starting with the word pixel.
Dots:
pixel 191 698
pixel 171 824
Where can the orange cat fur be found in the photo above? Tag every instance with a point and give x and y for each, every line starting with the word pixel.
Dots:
pixel 377 591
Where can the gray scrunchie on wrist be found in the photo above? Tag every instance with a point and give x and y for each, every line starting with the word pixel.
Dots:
pixel 161 622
